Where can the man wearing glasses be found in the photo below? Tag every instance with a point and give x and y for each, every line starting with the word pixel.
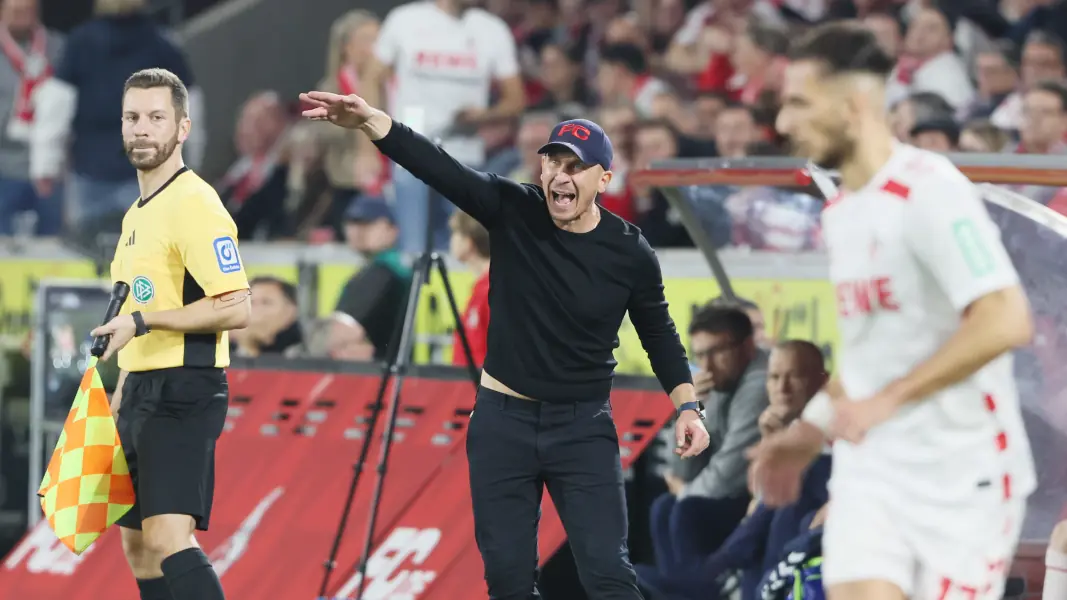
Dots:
pixel 709 496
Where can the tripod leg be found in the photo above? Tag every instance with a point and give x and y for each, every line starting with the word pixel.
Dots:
pixel 472 369
pixel 364 450
pixel 403 354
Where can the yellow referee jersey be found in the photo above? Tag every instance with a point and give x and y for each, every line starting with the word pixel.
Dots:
pixel 178 246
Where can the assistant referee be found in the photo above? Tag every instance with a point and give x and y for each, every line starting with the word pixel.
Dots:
pixel 564 274
pixel 178 253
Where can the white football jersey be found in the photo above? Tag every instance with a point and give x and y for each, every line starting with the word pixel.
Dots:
pixel 908 253
pixel 443 64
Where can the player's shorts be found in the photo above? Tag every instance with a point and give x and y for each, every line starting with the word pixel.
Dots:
pixel 169 421
pixel 932 552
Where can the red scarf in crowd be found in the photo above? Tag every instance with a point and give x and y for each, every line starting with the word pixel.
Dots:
pixel 348 83
pixel 32 68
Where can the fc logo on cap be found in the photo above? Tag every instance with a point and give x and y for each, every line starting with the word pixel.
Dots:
pixel 574 129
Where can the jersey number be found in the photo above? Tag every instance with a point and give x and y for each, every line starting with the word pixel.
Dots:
pixel 974 250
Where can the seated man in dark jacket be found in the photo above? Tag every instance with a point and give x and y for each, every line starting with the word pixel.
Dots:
pixel 754 548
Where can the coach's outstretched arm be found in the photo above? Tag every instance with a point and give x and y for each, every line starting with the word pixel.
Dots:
pixel 476 193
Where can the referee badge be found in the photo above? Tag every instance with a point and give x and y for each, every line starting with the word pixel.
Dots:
pixel 226 254
pixel 143 290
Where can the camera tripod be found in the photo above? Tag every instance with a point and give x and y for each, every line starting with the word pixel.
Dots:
pixel 395 368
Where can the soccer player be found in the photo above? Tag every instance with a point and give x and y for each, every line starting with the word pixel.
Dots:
pixel 564 274
pixel 931 464
pixel 178 252
pixel 469 244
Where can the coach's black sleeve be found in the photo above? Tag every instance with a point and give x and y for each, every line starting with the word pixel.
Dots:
pixel 648 313
pixel 364 292
pixel 475 193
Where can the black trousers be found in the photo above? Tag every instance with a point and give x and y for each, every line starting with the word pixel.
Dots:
pixel 517 448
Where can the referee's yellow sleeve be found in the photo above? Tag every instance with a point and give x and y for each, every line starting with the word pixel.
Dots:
pixel 207 241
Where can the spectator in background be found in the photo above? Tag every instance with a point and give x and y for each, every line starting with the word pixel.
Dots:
pixel 930 63
pixel 498 137
pixel 560 74
pixel 795 373
pixel 372 303
pixel 918 107
pixel 80 101
pixel 30 55
pixel 443 57
pixel 706 109
pixel 735 131
pixel 274 327
pixel 1043 131
pixel 764 339
pixel 936 135
pixel 1043 59
pixel 980 135
pixel 350 167
pixel 534 129
pixel 649 209
pixel 254 188
pixel 888 30
pixel 470 245
pixel 623 76
pixel 757 61
pixel 703 506
pixel 997 75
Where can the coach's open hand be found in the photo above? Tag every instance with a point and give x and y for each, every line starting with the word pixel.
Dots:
pixel 692 436
pixel 121 329
pixel 349 111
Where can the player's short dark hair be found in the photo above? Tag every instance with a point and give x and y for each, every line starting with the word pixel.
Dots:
pixel 1055 88
pixel 147 79
pixel 288 289
pixel 469 227
pixel 843 47
pixel 722 319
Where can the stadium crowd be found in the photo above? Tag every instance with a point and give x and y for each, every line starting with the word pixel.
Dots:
pixel 665 78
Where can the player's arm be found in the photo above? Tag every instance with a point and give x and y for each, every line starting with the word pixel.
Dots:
pixel 206 239
pixel 953 237
pixel 655 327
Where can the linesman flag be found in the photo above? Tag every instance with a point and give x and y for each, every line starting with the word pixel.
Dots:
pixel 87 486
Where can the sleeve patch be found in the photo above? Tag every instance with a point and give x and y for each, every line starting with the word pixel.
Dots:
pixel 226 254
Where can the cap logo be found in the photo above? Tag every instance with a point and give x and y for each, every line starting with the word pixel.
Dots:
pixel 575 130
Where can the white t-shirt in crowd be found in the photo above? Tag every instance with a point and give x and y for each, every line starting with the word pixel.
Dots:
pixel 908 254
pixel 443 64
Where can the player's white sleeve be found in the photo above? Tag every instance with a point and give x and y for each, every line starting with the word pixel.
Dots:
pixel 506 58
pixel 387 46
pixel 949 230
pixel 55 102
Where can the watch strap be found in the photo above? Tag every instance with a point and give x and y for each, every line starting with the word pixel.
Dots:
pixel 138 320
pixel 692 406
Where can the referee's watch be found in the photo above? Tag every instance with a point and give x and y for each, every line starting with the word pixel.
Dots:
pixel 692 406
pixel 138 321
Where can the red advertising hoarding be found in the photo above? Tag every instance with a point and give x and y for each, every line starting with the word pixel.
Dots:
pixel 284 467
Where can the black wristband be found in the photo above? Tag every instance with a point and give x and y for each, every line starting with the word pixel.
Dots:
pixel 138 321
pixel 692 406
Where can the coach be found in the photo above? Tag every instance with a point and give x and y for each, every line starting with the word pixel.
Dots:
pixel 564 274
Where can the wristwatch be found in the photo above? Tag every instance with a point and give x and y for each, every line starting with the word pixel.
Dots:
pixel 138 321
pixel 692 406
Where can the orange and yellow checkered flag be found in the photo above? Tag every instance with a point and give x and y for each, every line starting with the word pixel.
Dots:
pixel 87 486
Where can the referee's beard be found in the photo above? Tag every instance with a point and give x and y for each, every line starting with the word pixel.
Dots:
pixel 146 155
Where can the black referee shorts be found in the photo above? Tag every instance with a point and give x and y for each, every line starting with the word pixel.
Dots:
pixel 169 421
